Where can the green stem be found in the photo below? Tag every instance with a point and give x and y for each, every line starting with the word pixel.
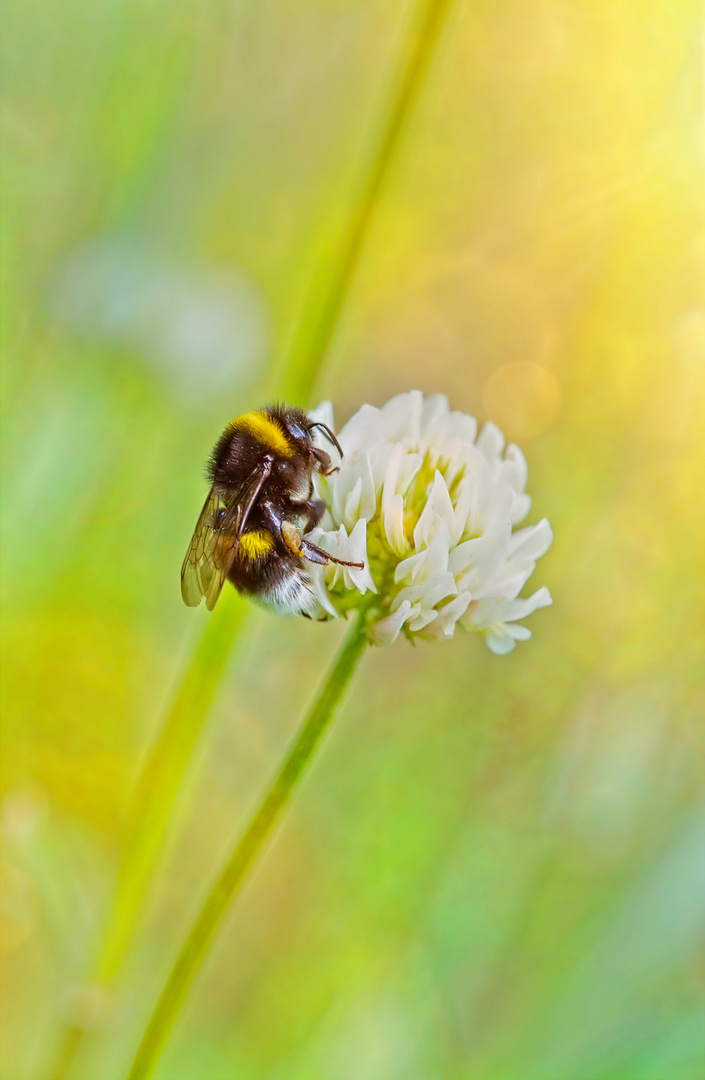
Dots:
pixel 245 852
pixel 156 793
pixel 314 332
pixel 161 776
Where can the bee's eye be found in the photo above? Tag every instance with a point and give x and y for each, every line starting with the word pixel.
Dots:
pixel 298 432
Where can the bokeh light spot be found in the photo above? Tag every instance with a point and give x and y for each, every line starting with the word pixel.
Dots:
pixel 522 398
pixel 19 907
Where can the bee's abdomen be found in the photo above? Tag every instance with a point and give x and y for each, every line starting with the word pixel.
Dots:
pixel 260 570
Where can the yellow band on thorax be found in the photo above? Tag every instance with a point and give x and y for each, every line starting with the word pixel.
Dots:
pixel 255 543
pixel 265 430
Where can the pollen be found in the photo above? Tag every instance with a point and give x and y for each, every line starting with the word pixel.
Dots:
pixel 254 544
pixel 262 427
pixel 292 538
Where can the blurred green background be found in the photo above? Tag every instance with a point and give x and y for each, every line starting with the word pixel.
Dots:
pixel 496 868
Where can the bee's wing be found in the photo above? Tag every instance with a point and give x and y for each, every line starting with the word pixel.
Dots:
pixel 201 568
pixel 215 539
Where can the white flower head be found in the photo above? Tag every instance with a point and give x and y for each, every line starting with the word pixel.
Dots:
pixel 429 506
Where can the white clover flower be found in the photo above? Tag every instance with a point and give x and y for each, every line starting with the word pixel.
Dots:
pixel 429 506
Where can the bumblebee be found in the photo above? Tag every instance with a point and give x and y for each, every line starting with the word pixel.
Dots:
pixel 252 529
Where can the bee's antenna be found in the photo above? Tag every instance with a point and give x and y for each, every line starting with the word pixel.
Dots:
pixel 328 434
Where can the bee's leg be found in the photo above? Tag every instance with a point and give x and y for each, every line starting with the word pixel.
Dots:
pixel 285 529
pixel 313 553
pixel 292 538
pixel 314 510
pixel 318 555
pixel 324 462
pixel 274 515
pixel 296 543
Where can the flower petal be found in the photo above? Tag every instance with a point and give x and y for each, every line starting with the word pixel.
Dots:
pixel 490 441
pixel 402 417
pixel 429 593
pixel 498 640
pixel 519 609
pixel 529 544
pixel 386 630
pixel 427 564
pixel 361 431
pixel 438 508
pixel 448 615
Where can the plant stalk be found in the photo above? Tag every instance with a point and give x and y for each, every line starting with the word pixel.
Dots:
pixel 162 774
pixel 320 318
pixel 156 793
pixel 246 851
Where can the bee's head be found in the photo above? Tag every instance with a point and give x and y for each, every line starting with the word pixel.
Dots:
pixel 301 429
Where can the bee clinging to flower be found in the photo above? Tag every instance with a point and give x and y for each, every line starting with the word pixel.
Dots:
pixel 416 521
pixel 253 527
